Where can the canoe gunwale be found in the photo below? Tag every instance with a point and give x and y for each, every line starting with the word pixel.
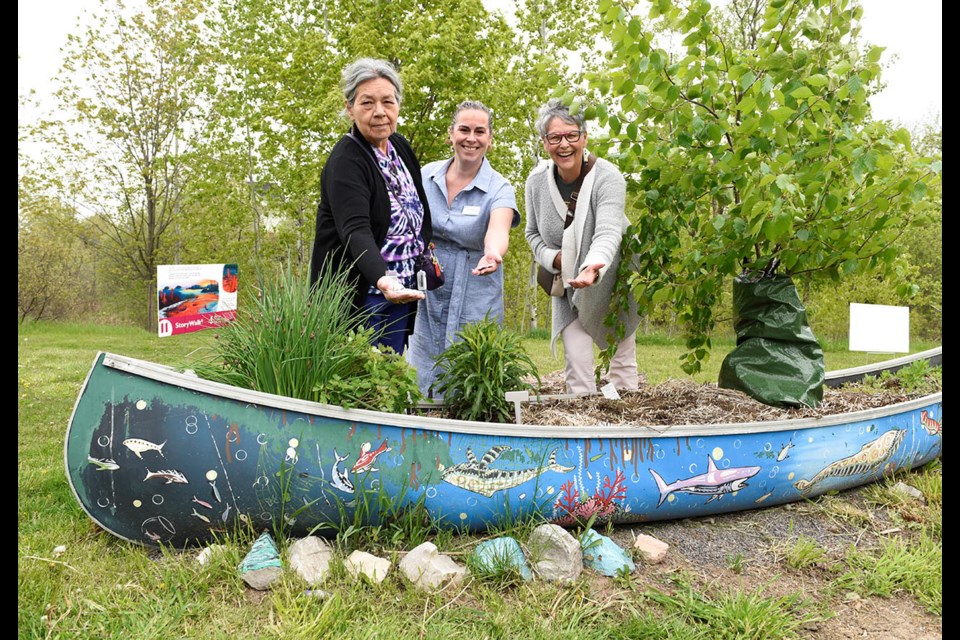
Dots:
pixel 855 374
pixel 169 375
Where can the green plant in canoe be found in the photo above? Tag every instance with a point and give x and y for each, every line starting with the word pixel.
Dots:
pixel 476 371
pixel 311 345
pixel 748 144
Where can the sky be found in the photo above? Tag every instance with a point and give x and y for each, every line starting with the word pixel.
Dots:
pixel 911 31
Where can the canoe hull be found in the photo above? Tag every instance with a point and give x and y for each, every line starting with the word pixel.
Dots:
pixel 162 462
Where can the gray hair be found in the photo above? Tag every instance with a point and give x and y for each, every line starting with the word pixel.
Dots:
pixel 473 105
pixel 556 109
pixel 364 69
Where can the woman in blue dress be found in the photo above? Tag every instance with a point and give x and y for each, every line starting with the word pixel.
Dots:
pixel 472 208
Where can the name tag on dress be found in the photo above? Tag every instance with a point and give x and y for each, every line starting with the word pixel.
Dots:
pixel 471 210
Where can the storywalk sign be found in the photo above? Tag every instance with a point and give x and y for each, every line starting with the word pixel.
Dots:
pixel 191 297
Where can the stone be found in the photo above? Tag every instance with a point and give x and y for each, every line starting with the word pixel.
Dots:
pixel 495 555
pixel 905 490
pixel 602 554
pixel 555 554
pixel 428 569
pixel 262 566
pixel 208 554
pixel 310 558
pixel 650 549
pixel 361 563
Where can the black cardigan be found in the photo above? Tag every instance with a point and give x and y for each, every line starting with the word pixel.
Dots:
pixel 354 213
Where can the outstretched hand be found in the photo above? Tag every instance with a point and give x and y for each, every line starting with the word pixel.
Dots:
pixel 396 293
pixel 488 263
pixel 587 276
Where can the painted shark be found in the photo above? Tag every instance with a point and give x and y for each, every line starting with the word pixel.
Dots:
pixel 138 446
pixel 478 477
pixel 340 476
pixel 170 475
pixel 714 483
pixel 871 457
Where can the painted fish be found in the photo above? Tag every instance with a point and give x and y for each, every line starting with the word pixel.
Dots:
pixel 200 515
pixel 225 514
pixel 139 446
pixel 714 483
pixel 932 426
pixel 203 504
pixel 871 457
pixel 170 475
pixel 105 464
pixel 784 452
pixel 340 477
pixel 366 458
pixel 478 477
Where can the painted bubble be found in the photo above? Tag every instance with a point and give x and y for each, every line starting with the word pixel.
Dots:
pixel 211 475
pixel 137 504
pixel 293 443
pixel 717 453
pixel 141 404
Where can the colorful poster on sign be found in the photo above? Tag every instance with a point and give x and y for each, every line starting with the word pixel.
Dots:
pixel 191 297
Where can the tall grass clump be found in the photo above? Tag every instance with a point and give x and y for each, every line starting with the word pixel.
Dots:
pixel 477 370
pixel 309 344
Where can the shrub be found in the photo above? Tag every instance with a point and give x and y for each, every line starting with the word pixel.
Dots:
pixel 478 369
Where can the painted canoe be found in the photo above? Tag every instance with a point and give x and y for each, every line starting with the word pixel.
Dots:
pixel 161 457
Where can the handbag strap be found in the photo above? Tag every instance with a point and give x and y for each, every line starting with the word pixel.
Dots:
pixel 572 202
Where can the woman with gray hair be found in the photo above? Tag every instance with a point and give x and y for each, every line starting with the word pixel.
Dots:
pixel 373 219
pixel 473 209
pixel 575 223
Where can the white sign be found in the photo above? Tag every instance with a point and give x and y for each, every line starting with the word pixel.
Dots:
pixel 879 328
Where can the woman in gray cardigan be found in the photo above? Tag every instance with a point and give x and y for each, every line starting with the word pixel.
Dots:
pixel 585 250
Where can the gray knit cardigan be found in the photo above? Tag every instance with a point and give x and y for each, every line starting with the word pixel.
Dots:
pixel 594 237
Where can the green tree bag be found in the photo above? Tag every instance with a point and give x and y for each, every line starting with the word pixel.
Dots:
pixel 777 360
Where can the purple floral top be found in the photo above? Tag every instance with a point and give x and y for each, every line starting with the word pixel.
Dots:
pixel 403 243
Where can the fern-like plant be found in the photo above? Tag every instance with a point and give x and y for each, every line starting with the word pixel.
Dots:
pixel 477 370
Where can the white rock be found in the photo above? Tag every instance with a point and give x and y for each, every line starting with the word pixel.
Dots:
pixel 211 552
pixel 366 564
pixel 310 558
pixel 905 490
pixel 427 569
pixel 59 550
pixel 555 554
pixel 650 549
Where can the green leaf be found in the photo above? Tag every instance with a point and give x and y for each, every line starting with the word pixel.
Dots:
pixel 874 54
pixel 902 136
pixel 747 79
pixel 801 93
pixel 817 80
pixel 781 114
pixel 785 183
pixel 830 202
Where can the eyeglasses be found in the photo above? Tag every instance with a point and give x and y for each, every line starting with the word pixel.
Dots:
pixel 570 136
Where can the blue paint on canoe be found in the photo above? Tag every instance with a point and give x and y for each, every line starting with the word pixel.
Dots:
pixel 241 452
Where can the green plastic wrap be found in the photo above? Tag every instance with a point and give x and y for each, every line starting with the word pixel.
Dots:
pixel 777 360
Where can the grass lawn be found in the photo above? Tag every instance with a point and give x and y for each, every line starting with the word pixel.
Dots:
pixel 102 587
